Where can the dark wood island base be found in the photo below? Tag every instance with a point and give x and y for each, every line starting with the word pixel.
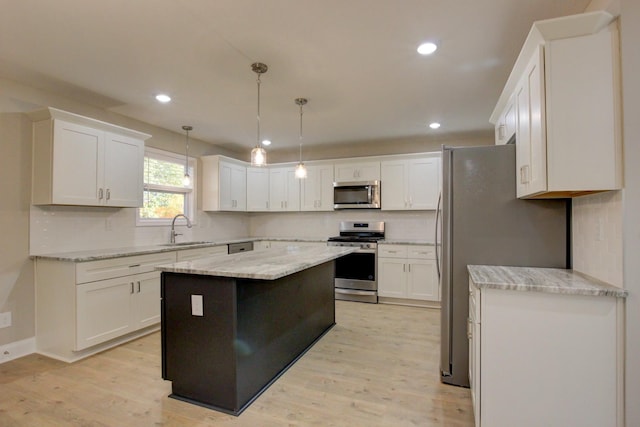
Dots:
pixel 248 333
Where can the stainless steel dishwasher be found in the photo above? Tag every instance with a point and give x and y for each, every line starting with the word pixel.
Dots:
pixel 235 248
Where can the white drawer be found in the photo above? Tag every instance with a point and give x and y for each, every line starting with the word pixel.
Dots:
pixel 422 252
pixel 117 267
pixel 189 254
pixel 392 251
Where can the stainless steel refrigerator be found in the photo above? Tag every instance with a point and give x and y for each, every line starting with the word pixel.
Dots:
pixel 480 221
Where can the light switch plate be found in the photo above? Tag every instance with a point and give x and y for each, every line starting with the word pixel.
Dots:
pixel 197 308
pixel 5 319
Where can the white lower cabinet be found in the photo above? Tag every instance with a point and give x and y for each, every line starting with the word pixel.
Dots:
pixel 85 307
pixel 407 272
pixel 107 309
pixel 544 359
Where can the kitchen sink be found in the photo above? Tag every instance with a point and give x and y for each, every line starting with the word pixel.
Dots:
pixel 186 243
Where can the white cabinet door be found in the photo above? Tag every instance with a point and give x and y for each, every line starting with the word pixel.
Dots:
pixel 412 184
pixel 506 125
pixel 103 311
pixel 77 164
pixel 145 305
pixel 224 184
pixel 392 277
pixel 531 158
pixel 257 189
pixel 123 169
pixel 393 181
pixel 422 280
pixel 359 171
pixel 317 189
pixel 284 189
pixel 423 183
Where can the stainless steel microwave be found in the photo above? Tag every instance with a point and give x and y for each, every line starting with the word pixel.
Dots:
pixel 356 195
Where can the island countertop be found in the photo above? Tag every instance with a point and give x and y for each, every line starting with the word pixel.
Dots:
pixel 550 280
pixel 263 265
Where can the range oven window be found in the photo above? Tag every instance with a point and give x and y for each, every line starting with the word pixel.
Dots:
pixel 356 266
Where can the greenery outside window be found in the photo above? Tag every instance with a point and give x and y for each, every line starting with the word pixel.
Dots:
pixel 165 195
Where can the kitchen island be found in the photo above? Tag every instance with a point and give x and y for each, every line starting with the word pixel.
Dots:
pixel 231 325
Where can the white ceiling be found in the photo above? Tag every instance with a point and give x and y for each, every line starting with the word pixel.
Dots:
pixel 355 60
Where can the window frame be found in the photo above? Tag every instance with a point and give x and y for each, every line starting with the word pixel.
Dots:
pixel 189 192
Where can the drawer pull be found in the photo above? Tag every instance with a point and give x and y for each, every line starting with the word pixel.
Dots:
pixel 134 265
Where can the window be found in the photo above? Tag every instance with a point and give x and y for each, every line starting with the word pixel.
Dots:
pixel 165 195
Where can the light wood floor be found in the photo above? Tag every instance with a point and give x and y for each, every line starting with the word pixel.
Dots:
pixel 377 367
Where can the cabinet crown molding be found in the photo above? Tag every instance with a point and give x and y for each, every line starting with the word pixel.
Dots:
pixel 546 30
pixel 54 113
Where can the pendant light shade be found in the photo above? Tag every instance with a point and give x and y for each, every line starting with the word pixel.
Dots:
pixel 186 180
pixel 258 154
pixel 301 169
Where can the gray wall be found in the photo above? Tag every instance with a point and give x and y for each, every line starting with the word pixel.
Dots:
pixel 16 269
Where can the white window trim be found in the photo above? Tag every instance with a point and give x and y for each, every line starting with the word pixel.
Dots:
pixel 190 191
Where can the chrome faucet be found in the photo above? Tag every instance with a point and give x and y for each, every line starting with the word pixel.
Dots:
pixel 173 225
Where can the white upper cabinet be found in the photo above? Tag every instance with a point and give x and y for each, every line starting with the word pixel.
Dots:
pixel 357 171
pixel 224 184
pixel 410 184
pixel 284 189
pixel 565 88
pixel 317 188
pixel 257 189
pixel 506 125
pixel 81 161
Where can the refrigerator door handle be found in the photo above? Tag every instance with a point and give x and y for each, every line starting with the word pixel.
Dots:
pixel 436 234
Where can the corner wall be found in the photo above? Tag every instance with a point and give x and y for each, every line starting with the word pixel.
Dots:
pixel 16 268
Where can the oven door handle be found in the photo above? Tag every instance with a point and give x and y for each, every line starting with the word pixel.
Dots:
pixel 353 292
pixel 365 251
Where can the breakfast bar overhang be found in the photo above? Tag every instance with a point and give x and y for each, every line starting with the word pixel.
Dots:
pixel 232 324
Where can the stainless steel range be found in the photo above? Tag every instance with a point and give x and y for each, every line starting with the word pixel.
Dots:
pixel 356 276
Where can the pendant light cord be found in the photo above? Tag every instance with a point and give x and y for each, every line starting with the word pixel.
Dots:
pixel 301 132
pixel 258 143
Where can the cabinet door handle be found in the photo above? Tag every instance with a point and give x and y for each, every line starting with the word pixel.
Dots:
pixel 267 203
pixel 469 335
pixel 100 194
pixel 404 268
pixel 131 287
pixel 410 264
pixel 108 194
pixel 524 174
pixel 138 286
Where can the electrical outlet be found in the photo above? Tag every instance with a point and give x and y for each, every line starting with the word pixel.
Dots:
pixel 5 319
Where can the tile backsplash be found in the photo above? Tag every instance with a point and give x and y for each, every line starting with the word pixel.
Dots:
pixel 72 228
pixel 597 236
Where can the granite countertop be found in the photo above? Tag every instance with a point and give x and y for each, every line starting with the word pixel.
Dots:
pixel 98 254
pixel 265 265
pixel 550 280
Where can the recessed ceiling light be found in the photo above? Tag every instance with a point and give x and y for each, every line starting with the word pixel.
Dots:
pixel 434 125
pixel 266 142
pixel 427 48
pixel 162 97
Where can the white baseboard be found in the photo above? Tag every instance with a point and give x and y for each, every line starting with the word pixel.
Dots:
pixel 17 349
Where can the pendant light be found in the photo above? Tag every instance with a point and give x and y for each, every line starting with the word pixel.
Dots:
pixel 258 154
pixel 186 180
pixel 301 170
